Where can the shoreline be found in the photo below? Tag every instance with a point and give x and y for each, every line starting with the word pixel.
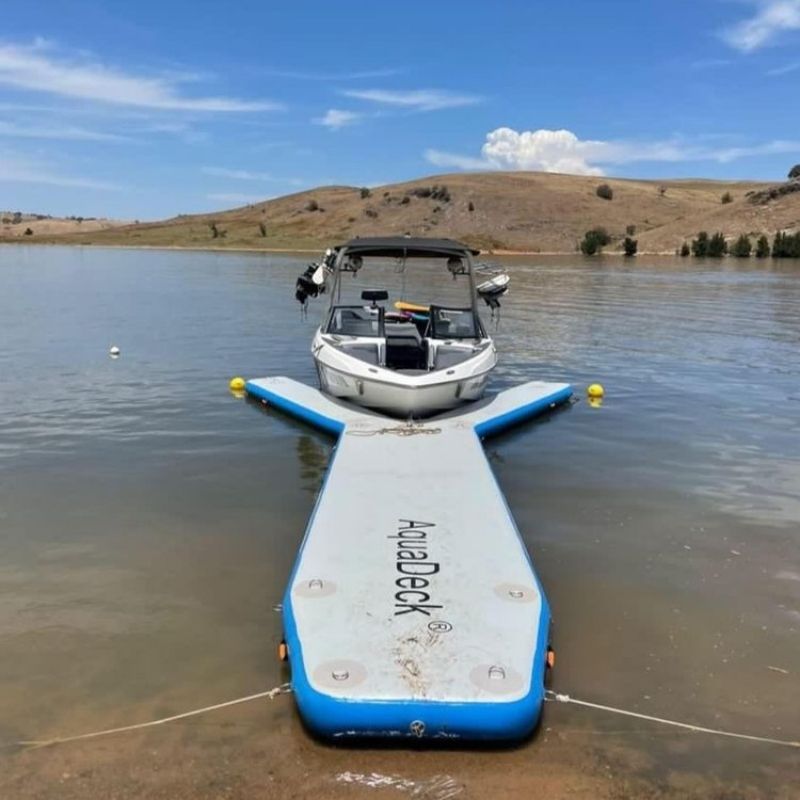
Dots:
pixel 321 248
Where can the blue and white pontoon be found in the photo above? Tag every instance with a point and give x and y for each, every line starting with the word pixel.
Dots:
pixel 413 609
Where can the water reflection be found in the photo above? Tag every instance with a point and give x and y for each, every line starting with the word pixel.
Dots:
pixel 313 458
pixel 150 520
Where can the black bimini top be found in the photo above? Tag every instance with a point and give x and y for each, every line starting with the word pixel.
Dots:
pixel 405 247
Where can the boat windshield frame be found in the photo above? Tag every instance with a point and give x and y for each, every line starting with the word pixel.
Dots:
pixel 403 248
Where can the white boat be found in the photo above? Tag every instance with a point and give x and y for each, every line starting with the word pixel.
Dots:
pixel 412 363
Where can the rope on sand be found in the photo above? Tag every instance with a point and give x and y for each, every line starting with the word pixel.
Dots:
pixel 285 688
pixel 565 698
pixel 271 694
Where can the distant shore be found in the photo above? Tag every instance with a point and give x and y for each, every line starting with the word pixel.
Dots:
pixel 298 250
pixel 510 214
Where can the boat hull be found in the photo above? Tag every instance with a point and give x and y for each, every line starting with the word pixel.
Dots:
pixel 400 400
pixel 401 393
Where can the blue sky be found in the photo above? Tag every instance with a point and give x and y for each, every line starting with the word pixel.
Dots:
pixel 149 109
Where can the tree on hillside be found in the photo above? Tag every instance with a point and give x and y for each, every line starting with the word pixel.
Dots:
pixel 630 246
pixel 794 172
pixel 786 245
pixel 742 247
pixel 365 192
pixel 700 245
pixel 441 193
pixel 685 250
pixel 717 246
pixel 214 230
pixel 726 198
pixel 762 247
pixel 594 240
pixel 262 229
pixel 605 191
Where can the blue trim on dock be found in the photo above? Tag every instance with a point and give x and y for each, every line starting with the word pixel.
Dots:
pixel 314 418
pixel 495 425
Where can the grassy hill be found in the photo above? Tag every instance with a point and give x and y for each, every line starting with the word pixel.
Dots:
pixel 516 211
pixel 14 224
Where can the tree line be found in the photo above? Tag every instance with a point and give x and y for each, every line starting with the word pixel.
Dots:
pixel 784 245
pixel 705 245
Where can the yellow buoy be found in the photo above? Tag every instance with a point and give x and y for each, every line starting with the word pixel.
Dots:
pixel 595 390
pixel 237 384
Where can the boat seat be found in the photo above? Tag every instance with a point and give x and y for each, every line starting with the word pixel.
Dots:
pixel 402 330
pixel 405 348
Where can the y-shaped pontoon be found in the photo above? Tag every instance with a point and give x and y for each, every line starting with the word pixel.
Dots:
pixel 413 608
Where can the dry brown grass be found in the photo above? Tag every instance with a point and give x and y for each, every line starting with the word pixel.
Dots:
pixel 516 211
pixel 50 226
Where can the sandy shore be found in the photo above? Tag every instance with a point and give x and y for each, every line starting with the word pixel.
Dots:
pixel 261 751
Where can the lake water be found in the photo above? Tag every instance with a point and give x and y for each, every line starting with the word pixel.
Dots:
pixel 149 519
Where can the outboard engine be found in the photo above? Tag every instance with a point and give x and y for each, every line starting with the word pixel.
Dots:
pixel 312 282
pixel 305 286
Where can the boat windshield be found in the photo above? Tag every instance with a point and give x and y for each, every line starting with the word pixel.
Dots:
pixel 356 321
pixel 454 323
pixel 420 281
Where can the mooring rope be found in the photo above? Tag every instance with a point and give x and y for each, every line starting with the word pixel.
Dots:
pixel 565 698
pixel 285 688
pixel 410 429
pixel 271 694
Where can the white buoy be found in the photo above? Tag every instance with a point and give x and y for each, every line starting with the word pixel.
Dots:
pixel 113 351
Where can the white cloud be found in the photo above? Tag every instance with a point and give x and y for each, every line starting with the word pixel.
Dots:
pixel 727 154
pixel 772 18
pixel 331 76
pixel 784 70
pixel 66 133
pixel 416 99
pixel 237 174
pixel 562 151
pixel 36 68
pixel 710 63
pixel 249 175
pixel 16 169
pixel 237 197
pixel 442 159
pixel 335 118
pixel 549 151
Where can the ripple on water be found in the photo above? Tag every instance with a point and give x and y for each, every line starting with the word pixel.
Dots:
pixel 150 519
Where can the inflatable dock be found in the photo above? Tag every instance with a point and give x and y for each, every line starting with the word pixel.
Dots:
pixel 413 609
